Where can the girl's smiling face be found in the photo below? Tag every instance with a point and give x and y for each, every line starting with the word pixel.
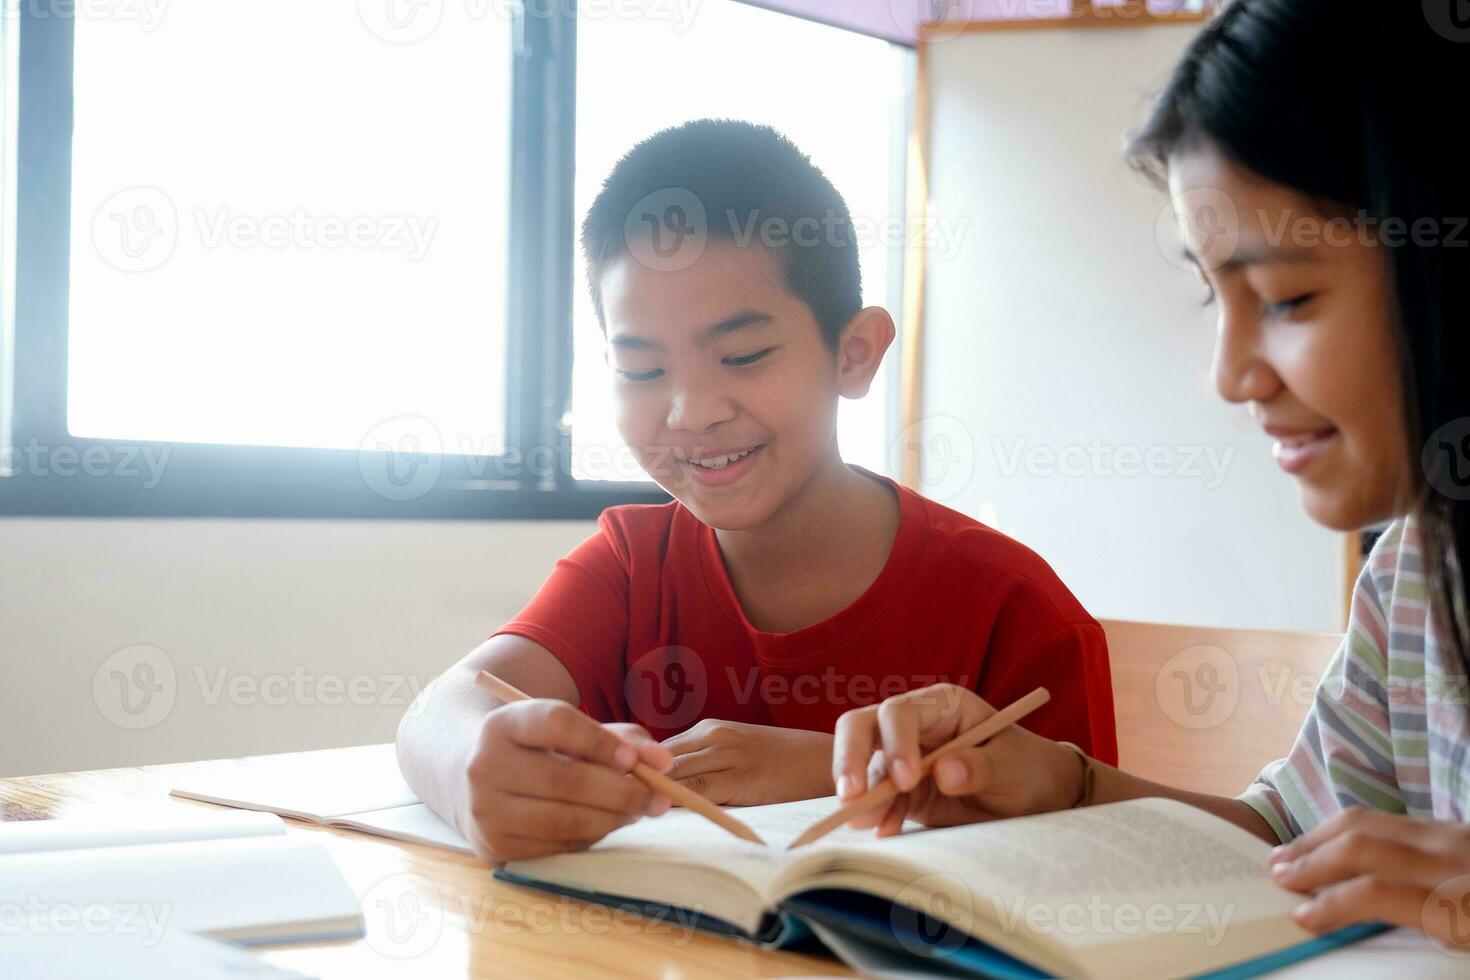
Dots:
pixel 1305 336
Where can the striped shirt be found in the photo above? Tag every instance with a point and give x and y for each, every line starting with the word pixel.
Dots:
pixel 1390 724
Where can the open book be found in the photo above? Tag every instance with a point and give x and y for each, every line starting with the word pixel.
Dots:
pixel 356 789
pixel 1147 887
pixel 234 876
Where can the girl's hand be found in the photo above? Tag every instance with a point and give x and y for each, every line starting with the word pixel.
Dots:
pixel 1365 865
pixel 730 762
pixel 1014 773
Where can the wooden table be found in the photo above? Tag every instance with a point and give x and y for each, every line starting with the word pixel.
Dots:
pixel 430 912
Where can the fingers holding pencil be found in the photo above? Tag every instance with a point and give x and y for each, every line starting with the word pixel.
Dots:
pixel 1013 773
pixel 666 791
pixel 543 778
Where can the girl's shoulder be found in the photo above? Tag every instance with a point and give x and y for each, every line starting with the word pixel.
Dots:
pixel 1394 569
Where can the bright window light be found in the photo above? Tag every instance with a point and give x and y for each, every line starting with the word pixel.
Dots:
pixel 289 224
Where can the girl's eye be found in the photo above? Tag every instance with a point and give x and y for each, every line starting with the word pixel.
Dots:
pixel 1287 307
pixel 1209 299
pixel 747 359
pixel 641 375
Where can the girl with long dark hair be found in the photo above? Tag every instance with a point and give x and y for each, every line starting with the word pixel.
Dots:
pixel 1314 150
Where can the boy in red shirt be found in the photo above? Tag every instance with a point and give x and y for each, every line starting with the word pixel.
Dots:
pixel 720 636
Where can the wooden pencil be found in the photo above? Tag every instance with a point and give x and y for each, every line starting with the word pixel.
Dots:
pixel 888 789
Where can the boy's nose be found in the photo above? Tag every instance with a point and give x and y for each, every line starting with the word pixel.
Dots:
pixel 697 408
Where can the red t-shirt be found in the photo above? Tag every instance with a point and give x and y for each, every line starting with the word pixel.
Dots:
pixel 643 616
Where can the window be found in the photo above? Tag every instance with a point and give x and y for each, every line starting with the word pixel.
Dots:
pixel 304 241
pixel 275 258
pixel 841 97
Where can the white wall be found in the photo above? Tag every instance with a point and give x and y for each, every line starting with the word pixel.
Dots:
pixel 1060 321
pixel 283 610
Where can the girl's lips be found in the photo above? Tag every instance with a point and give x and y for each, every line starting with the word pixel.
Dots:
pixel 725 475
pixel 1297 452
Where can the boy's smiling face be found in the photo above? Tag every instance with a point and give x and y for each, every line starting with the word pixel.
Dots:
pixel 723 384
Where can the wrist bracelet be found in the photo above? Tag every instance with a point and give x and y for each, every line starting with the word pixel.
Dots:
pixel 1089 776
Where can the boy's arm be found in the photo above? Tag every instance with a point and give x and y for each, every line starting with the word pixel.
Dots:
pixel 525 779
pixel 439 731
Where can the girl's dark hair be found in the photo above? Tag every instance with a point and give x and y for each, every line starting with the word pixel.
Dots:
pixel 1361 103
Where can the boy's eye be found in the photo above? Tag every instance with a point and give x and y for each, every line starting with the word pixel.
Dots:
pixel 743 360
pixel 1286 308
pixel 641 375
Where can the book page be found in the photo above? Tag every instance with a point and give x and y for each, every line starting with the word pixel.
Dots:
pixel 684 860
pixel 1151 869
pixel 415 824
pixel 313 785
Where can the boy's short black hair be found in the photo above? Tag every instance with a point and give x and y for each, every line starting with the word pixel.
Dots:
pixel 753 186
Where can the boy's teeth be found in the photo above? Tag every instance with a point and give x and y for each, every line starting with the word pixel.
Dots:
pixel 720 462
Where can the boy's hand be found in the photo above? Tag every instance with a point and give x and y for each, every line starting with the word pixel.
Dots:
pixel 1365 865
pixel 545 778
pixel 733 763
pixel 1013 773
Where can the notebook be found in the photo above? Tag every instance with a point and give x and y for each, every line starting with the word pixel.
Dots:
pixel 1146 887
pixel 235 877
pixel 356 789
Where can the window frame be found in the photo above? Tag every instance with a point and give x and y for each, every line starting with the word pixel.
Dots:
pixel 531 480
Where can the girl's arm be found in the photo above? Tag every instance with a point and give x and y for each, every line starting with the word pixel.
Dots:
pixel 1013 774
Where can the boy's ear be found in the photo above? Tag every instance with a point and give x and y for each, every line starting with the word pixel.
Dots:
pixel 860 350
